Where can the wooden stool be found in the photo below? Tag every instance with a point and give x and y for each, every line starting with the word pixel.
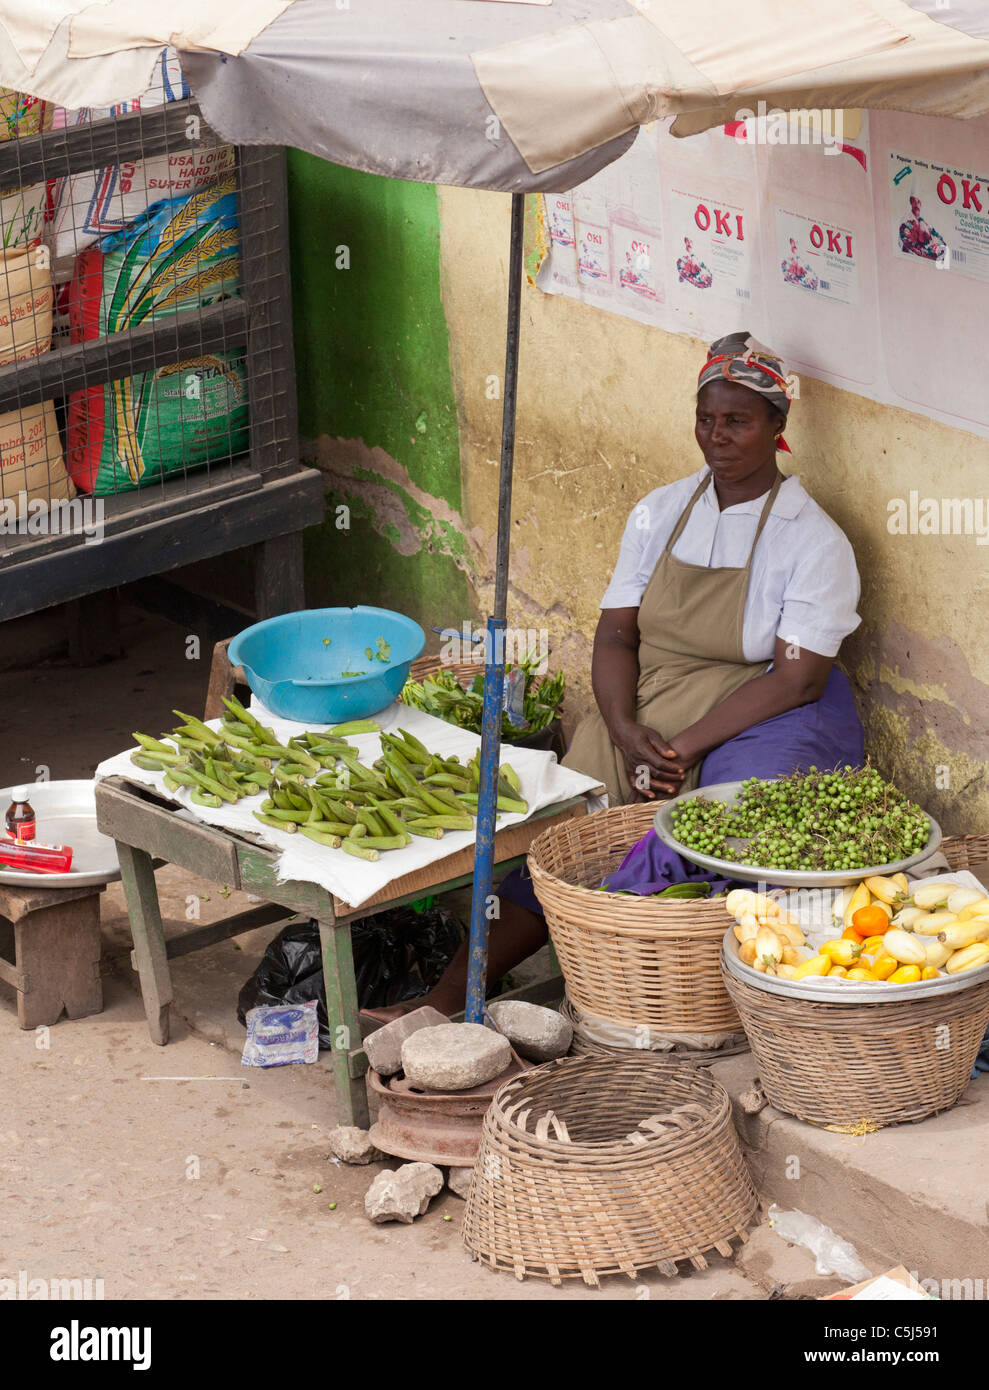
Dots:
pixel 223 679
pixel 56 951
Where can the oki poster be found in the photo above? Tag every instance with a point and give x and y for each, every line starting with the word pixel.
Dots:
pixel 939 215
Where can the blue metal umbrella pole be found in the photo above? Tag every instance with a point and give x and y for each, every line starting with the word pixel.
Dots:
pixel 494 665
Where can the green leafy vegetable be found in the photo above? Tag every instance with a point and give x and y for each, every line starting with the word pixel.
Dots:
pixel 442 695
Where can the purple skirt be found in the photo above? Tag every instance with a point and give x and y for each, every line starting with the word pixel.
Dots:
pixel 826 733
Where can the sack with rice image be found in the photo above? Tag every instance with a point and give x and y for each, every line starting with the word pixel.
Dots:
pixel 182 254
pixel 95 203
pixel 30 449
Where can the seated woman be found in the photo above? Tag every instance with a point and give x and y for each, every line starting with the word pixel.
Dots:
pixel 713 656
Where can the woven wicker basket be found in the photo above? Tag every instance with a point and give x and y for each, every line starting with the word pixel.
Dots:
pixel 604 1166
pixel 863 1064
pixel 964 851
pixel 584 1046
pixel 868 1064
pixel 638 961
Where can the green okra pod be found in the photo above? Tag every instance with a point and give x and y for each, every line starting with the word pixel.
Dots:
pixel 385 841
pixel 356 726
pixel 191 777
pixel 289 826
pixel 358 831
pixel 202 798
pixel 320 837
pixel 442 823
pixel 355 848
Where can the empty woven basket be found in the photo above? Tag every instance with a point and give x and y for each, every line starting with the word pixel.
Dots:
pixel 595 1166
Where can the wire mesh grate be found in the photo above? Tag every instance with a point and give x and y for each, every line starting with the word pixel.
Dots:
pixel 145 330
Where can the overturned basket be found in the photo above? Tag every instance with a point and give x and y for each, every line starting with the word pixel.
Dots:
pixel 639 961
pixel 607 1166
pixel 868 1064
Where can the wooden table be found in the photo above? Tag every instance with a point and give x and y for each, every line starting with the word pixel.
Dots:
pixel 148 832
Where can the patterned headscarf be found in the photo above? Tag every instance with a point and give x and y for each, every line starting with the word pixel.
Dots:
pixel 739 358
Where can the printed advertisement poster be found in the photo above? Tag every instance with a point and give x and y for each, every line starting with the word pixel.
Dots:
pixel 709 248
pixel 817 258
pixel 939 215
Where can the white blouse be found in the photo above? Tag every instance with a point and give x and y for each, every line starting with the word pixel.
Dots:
pixel 804 586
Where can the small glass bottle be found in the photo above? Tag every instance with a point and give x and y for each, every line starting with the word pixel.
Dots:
pixel 19 821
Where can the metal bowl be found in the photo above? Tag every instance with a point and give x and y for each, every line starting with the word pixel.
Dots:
pixel 825 991
pixel 790 878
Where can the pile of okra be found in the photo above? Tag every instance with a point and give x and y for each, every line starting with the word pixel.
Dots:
pixel 316 785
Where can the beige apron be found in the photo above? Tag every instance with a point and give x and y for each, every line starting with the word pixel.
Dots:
pixel 690 654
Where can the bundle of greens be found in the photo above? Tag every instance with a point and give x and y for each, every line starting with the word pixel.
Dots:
pixel 442 695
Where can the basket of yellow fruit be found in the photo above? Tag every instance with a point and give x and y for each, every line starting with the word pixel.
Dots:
pixel 868 1007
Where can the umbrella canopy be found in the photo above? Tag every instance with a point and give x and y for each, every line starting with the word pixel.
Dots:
pixel 512 96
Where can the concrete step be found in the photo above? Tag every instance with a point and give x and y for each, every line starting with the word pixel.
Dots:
pixel 913 1194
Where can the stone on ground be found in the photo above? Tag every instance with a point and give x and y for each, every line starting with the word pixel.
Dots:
pixel 455 1056
pixel 352 1145
pixel 536 1033
pixel 402 1194
pixel 384 1045
pixel 458 1181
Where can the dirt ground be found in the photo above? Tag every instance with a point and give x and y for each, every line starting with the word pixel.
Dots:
pixel 177 1173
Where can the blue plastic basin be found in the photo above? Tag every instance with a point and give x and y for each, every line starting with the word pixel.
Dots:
pixel 294 663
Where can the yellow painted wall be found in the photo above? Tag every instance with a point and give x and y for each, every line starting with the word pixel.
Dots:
pixel 605 415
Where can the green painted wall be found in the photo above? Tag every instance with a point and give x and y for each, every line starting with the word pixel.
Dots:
pixel 377 412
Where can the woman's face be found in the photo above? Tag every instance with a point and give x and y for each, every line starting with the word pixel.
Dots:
pixel 735 430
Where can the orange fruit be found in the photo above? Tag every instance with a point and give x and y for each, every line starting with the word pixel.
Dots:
pixel 870 921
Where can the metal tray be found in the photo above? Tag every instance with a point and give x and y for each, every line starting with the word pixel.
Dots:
pixel 790 878
pixel 66 815
pixel 843 992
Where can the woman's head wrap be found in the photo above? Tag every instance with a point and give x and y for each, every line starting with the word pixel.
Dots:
pixel 739 358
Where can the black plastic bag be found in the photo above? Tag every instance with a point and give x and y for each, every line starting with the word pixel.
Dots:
pixel 398 955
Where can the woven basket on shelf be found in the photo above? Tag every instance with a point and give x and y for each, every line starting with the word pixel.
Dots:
pixel 593 1166
pixel 638 961
pixel 863 1064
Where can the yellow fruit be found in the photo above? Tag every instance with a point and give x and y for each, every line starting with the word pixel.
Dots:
pixel 872 944
pixel 737 932
pixel 817 965
pixel 906 975
pixel 907 917
pixel 961 934
pixel 859 973
pixel 841 951
pixel 902 882
pixel 883 968
pixel 768 946
pixel 905 948
pixel 978 909
pixel 968 959
pixel 930 923
pixel 860 898
pixel 837 972
pixel 930 972
pixel 791 956
pixel 936 951
pixel 840 903
pixel 788 972
pixel 964 897
pixel 933 894
pixel 788 932
pixel 746 952
pixel 740 900
pixel 884 889
pixel 748 925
